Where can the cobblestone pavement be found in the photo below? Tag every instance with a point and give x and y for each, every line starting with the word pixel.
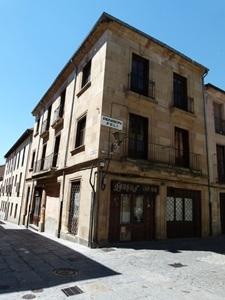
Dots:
pixel 34 266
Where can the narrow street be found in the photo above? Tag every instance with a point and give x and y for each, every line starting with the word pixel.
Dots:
pixel 34 266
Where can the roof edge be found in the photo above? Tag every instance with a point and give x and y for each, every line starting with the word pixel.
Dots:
pixel 210 85
pixel 109 18
pixel 20 140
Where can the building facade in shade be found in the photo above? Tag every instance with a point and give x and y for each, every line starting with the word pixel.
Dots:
pixel 14 178
pixel 215 108
pixel 119 147
pixel 2 170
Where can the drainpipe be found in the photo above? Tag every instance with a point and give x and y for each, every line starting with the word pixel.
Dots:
pixel 91 234
pixel 66 151
pixel 207 152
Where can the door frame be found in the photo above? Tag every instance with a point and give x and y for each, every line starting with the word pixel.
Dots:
pixel 149 193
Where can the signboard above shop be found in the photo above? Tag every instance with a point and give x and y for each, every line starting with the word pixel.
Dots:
pixel 112 123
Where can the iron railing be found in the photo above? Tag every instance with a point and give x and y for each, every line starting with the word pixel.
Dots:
pixel 219 126
pixel 46 163
pixel 174 157
pixel 44 126
pixel 186 104
pixel 139 84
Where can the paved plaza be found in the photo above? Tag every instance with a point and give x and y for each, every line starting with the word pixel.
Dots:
pixel 35 266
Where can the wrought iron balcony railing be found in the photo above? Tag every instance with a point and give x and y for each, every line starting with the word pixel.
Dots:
pixel 139 84
pixel 171 157
pixel 219 126
pixel 46 163
pixel 186 104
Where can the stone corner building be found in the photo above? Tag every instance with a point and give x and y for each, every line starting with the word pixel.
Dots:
pixel 119 147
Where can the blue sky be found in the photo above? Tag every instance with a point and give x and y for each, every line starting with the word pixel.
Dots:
pixel 38 37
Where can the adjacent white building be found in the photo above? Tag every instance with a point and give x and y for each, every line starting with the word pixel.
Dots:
pixel 14 178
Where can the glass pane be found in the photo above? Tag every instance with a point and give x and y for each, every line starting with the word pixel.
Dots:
pixel 125 209
pixel 188 216
pixel 179 209
pixel 125 233
pixel 138 209
pixel 170 209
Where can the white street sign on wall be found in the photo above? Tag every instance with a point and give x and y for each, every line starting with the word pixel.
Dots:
pixel 112 123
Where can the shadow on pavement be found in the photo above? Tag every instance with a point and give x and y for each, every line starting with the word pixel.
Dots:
pixel 29 261
pixel 210 244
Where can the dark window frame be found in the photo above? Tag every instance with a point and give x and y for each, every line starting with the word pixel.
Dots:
pixel 139 81
pixel 80 132
pixel 86 73
pixel 138 127
pixel 180 92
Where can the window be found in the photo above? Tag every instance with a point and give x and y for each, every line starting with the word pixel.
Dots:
pixel 18 161
pixel 32 160
pixel 86 76
pixel 138 137
pixel 80 132
pixel 56 151
pixel 218 120
pixel 179 209
pixel 15 213
pixel 38 125
pixel 43 157
pixel 180 98
pixel 181 147
pixel 140 75
pixel 49 117
pixel 19 184
pixel 11 209
pixel 62 103
pixel 24 150
pixel 221 163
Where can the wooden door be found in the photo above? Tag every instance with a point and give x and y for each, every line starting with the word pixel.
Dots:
pixel 131 217
pixel 222 212
pixel 37 207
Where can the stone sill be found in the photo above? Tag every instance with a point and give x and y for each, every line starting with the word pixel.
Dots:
pixel 84 88
pixel 142 97
pixel 57 123
pixel 174 109
pixel 78 150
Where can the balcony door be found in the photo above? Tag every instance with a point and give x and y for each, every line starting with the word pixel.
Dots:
pixel 138 137
pixel 140 75
pixel 181 147
pixel 221 163
pixel 56 151
pixel 180 92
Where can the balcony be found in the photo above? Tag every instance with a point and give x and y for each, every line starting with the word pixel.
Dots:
pixel 175 158
pixel 140 85
pixel 171 157
pixel 44 129
pixel 57 118
pixel 186 104
pixel 46 164
pixel 220 126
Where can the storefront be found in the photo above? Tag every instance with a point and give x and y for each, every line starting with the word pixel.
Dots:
pixel 132 211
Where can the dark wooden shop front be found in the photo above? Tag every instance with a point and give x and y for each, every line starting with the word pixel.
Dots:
pixel 132 211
